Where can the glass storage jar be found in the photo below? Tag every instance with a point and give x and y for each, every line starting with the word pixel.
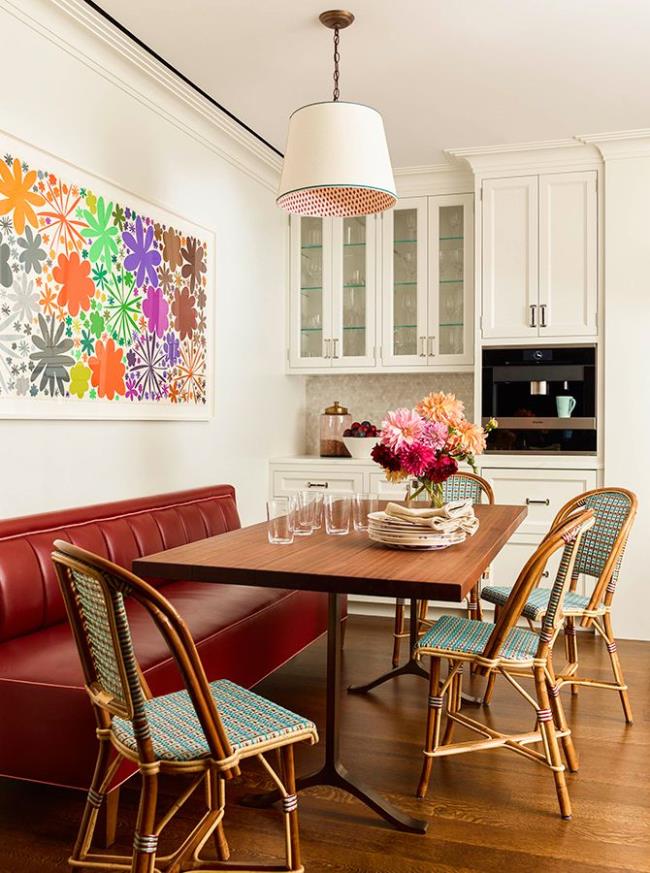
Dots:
pixel 334 420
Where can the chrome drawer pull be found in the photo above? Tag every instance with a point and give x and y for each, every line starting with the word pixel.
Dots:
pixel 545 574
pixel 318 484
pixel 530 501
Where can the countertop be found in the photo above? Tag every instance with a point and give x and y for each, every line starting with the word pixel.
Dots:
pixel 518 461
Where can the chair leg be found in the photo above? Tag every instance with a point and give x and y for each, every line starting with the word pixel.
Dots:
pixel 559 716
pixel 423 611
pixel 94 801
pixel 216 796
pixel 432 736
pixel 398 630
pixel 489 688
pixel 290 803
pixel 551 746
pixel 571 646
pixel 453 705
pixel 616 667
pixel 145 841
pixel 110 812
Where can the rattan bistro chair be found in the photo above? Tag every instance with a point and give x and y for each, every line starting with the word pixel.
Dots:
pixel 201 732
pixel 600 556
pixel 512 651
pixel 460 486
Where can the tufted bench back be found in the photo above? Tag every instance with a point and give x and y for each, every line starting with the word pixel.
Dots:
pixel 29 594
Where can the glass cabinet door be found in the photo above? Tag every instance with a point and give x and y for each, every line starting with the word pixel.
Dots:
pixel 353 297
pixel 404 232
pixel 311 280
pixel 451 308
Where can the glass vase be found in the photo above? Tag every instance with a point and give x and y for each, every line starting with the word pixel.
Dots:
pixel 425 492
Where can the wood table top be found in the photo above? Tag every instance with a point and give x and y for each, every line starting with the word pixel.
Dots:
pixel 349 564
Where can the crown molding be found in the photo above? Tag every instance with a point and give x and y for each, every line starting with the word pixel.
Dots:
pixel 116 57
pixel 442 178
pixel 620 144
pixel 520 158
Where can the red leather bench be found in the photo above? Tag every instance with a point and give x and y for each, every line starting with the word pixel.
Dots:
pixel 47 730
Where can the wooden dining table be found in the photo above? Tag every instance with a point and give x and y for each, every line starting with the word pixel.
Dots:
pixel 339 565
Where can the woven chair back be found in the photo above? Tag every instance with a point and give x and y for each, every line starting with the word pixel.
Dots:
pixel 468 486
pixel 566 534
pixel 93 591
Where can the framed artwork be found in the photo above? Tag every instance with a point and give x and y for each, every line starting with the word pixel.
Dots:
pixel 106 303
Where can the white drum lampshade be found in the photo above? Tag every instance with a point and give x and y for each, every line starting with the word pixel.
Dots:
pixel 336 162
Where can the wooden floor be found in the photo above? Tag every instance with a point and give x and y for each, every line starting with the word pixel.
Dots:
pixel 492 812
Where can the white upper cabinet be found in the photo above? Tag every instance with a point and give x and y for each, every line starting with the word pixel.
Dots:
pixel 510 273
pixel 332 292
pixel 540 257
pixel 428 282
pixel 405 284
pixel 568 245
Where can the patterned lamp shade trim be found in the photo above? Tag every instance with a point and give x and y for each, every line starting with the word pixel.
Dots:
pixel 339 201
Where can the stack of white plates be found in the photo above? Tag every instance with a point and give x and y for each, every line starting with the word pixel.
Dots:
pixel 397 534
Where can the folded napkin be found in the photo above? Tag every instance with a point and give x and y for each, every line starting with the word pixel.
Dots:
pixel 454 516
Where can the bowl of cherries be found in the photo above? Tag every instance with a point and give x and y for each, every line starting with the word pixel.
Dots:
pixel 360 439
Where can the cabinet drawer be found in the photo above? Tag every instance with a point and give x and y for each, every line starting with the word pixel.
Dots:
pixel 290 481
pixel 544 492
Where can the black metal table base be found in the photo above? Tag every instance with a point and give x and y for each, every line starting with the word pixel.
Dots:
pixel 333 772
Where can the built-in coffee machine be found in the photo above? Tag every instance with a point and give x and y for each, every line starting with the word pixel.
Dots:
pixel 544 399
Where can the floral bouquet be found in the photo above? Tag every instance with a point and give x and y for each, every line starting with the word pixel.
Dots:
pixel 427 443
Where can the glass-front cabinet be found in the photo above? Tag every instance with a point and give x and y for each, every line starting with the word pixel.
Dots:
pixel 384 292
pixel 333 312
pixel 428 288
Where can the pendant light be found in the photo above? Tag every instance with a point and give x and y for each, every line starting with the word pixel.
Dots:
pixel 336 160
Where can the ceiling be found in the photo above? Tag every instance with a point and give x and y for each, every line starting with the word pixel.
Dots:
pixel 444 73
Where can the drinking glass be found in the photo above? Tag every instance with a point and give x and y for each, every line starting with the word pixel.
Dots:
pixel 337 514
pixel 280 515
pixel 304 507
pixel 362 505
pixel 317 497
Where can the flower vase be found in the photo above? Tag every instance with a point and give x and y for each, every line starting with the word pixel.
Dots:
pixel 428 493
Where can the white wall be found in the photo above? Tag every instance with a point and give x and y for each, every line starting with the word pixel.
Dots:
pixel 627 373
pixel 117 122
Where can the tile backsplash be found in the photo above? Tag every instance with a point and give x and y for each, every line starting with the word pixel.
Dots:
pixel 370 396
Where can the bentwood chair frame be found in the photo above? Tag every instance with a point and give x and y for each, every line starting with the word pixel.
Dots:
pixel 93 591
pixel 594 553
pixel 460 486
pixel 509 650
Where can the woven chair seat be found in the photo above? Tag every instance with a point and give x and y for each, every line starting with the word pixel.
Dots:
pixel 537 602
pixel 249 720
pixel 467 636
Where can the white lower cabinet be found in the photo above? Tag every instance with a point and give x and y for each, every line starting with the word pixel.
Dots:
pixel 317 478
pixel 544 492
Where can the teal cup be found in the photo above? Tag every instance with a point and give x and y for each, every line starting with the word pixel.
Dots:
pixel 565 406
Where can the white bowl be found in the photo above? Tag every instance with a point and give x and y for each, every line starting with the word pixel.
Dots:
pixel 360 447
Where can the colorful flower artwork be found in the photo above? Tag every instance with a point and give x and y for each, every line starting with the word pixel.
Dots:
pixel 103 298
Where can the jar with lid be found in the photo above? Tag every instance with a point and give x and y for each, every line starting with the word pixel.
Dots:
pixel 334 420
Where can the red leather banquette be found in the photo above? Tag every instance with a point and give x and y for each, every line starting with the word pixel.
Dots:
pixel 47 729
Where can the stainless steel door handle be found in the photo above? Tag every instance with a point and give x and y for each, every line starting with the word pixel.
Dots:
pixel 533 311
pixel 326 348
pixel 432 340
pixel 334 342
pixel 318 484
pixel 423 347
pixel 542 322
pixel 531 501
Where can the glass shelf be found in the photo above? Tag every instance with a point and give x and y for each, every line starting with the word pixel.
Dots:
pixel 351 285
pixel 311 288
pixel 352 245
pixel 312 246
pixel 400 326
pixel 354 327
pixel 441 238
pixel 311 330
pixel 453 324
pixel 399 242
pixel 451 281
pixel 404 283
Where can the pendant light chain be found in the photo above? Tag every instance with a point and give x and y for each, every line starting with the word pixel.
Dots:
pixel 337 58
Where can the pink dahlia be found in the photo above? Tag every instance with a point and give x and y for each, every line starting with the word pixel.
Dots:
pixel 417 458
pixel 401 428
pixel 435 435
